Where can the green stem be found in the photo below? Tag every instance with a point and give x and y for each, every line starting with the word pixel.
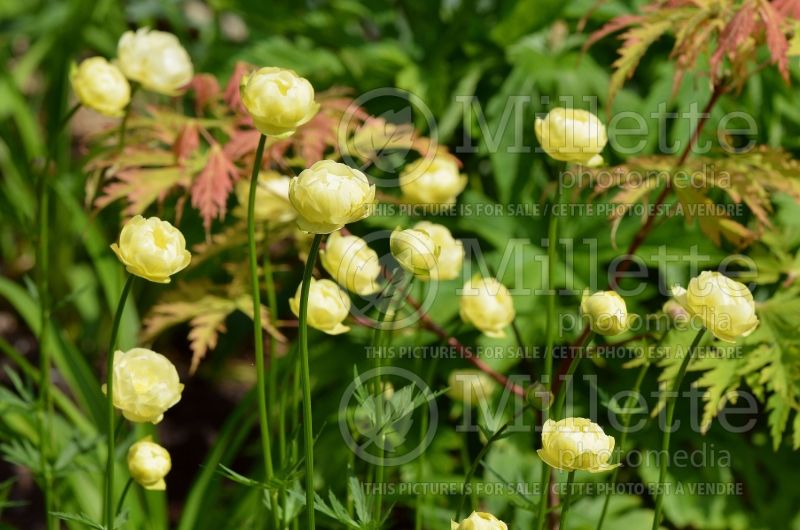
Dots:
pixel 122 497
pixel 111 433
pixel 305 372
pixel 672 400
pixel 567 499
pixel 123 126
pixel 258 337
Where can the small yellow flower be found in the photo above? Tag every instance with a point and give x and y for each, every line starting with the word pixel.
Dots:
pixel 148 464
pixel 479 521
pixel 473 386
pixel 152 249
pixel 572 135
pixel 450 251
pixel 329 195
pixel 328 306
pixel 576 444
pixel 724 306
pixel 416 252
pixel 100 86
pixel 605 312
pixel 486 304
pixel 352 263
pixel 677 314
pixel 155 59
pixel 272 198
pixel 146 385
pixel 278 100
pixel 432 181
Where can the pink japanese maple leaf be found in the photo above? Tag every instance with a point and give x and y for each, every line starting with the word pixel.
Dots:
pixel 213 185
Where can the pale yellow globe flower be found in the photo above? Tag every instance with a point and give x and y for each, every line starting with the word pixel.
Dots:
pixel 472 386
pixel 272 199
pixel 434 180
pixel 415 251
pixel 156 60
pixel 352 263
pixel 479 521
pixel 146 385
pixel 101 86
pixel 724 306
pixel 328 306
pixel 572 135
pixel 450 257
pixel 278 100
pixel 148 464
pixel 329 195
pixel 152 249
pixel 576 444
pixel 605 312
pixel 487 304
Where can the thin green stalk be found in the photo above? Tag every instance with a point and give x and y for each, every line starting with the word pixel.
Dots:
pixel 121 502
pixel 305 372
pixel 123 126
pixel 258 337
pixel 672 400
pixel 110 432
pixel 567 499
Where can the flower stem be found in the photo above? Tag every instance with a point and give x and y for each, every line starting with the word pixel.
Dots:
pixel 567 499
pixel 121 502
pixel 123 126
pixel 258 337
pixel 305 372
pixel 110 432
pixel 665 439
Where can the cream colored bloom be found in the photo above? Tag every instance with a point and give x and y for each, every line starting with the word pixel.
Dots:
pixel 148 464
pixel 272 198
pixel 605 312
pixel 329 195
pixel 352 263
pixel 678 315
pixel 155 59
pixel 724 306
pixel 432 181
pixel 328 306
pixel 100 86
pixel 576 444
pixel 146 385
pixel 479 521
pixel 416 252
pixel 470 385
pixel 572 135
pixel 152 249
pixel 486 304
pixel 278 100
pixel 450 257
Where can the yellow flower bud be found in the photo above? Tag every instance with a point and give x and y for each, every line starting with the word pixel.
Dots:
pixel 155 59
pixel 148 464
pixel 432 181
pixel 352 263
pixel 479 521
pixel 272 198
pixel 328 306
pixel 470 385
pixel 724 306
pixel 152 249
pixel 146 385
pixel 101 86
pixel 416 252
pixel 450 251
pixel 576 444
pixel 278 100
pixel 605 312
pixel 572 135
pixel 329 195
pixel 486 304
pixel 677 314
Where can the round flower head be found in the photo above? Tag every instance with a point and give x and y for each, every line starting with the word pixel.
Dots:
pixel 152 249
pixel 432 181
pixel 352 263
pixel 450 255
pixel 572 135
pixel 328 306
pixel 724 306
pixel 329 195
pixel 272 198
pixel 416 252
pixel 278 100
pixel 576 444
pixel 155 59
pixel 605 311
pixel 100 86
pixel 148 464
pixel 146 385
pixel 472 386
pixel 479 521
pixel 486 304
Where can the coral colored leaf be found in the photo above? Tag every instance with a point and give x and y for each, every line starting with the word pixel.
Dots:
pixel 206 89
pixel 213 185
pixel 187 142
pixel 777 43
pixel 140 187
pixel 231 95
